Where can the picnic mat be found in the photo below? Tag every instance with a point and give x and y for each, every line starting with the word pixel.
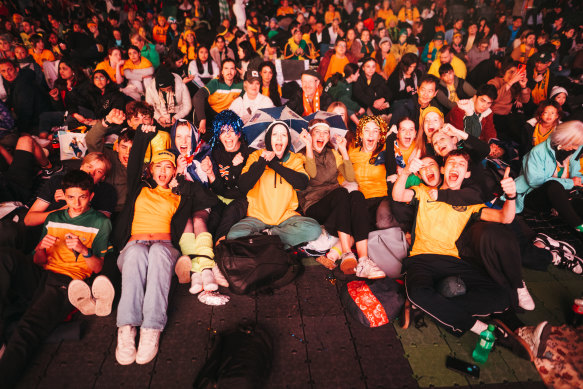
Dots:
pixel 562 364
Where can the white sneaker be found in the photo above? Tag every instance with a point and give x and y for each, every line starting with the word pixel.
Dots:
pixel 219 277
pixel 103 294
pixel 80 297
pixel 148 347
pixel 195 283
pixel 525 301
pixel 125 352
pixel 208 280
pixel 366 268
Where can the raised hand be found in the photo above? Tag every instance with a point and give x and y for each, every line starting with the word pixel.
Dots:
pixel 206 165
pixel 116 116
pixel 238 159
pixel 508 185
pixel 148 128
pixel 267 155
pixel 306 138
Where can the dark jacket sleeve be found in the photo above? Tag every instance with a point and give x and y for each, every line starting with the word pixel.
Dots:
pixel 296 103
pixel 94 137
pixel 136 159
pixel 250 178
pixel 477 149
pixel 390 161
pixel 296 179
pixel 199 100
pixel 469 195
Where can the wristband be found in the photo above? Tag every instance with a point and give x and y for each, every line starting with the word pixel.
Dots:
pixel 107 124
pixel 89 254
pixel 511 198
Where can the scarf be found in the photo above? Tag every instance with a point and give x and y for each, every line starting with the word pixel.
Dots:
pixel 452 93
pixel 312 106
pixel 167 103
pixel 523 55
pixel 539 92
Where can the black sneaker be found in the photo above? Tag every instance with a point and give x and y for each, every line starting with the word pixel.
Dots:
pixel 48 173
pixel 508 339
pixel 565 260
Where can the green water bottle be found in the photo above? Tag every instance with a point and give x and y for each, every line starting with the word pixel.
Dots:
pixel 484 345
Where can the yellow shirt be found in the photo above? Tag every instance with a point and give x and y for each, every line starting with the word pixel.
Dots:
pixel 459 67
pixel 154 210
pixel 104 65
pixel 438 225
pixel 336 65
pixel 46 55
pixel 273 200
pixel 371 179
pixel 538 137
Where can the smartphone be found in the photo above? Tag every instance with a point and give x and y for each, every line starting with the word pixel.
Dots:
pixel 460 366
pixel 521 68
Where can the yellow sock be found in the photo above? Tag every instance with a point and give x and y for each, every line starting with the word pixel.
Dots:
pixel 203 248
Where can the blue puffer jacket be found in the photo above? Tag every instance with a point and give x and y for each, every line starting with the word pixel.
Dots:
pixel 538 167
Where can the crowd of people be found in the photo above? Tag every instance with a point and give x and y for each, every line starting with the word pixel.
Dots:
pixel 462 116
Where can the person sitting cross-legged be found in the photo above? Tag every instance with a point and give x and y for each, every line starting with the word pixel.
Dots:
pixel 271 178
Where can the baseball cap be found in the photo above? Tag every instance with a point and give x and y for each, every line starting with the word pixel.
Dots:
pixel 164 155
pixel 252 75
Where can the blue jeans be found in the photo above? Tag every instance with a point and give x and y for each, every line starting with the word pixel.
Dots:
pixel 293 231
pixel 146 269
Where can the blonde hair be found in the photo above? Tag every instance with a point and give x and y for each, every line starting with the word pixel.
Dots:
pixel 97 156
pixel 568 133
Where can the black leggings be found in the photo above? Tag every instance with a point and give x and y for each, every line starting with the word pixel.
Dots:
pixel 342 211
pixel 553 195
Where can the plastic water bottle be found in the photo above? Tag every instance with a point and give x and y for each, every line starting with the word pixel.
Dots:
pixel 484 345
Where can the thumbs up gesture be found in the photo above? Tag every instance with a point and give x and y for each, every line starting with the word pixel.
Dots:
pixel 508 185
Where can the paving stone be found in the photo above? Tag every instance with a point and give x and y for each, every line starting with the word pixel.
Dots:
pixel 428 365
pixel 185 343
pixel 555 298
pixel 290 362
pixel 331 353
pixel 495 370
pixel 381 356
pixel 317 296
pixel 283 303
pixel 425 336
pixel 524 370
pixel 35 373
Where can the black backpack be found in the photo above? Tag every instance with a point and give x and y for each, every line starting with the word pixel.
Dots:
pixel 241 358
pixel 256 263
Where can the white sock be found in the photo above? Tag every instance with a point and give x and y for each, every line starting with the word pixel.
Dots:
pixel 479 327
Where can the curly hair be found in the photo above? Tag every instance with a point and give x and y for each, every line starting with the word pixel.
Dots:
pixel 226 118
pixel 383 127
